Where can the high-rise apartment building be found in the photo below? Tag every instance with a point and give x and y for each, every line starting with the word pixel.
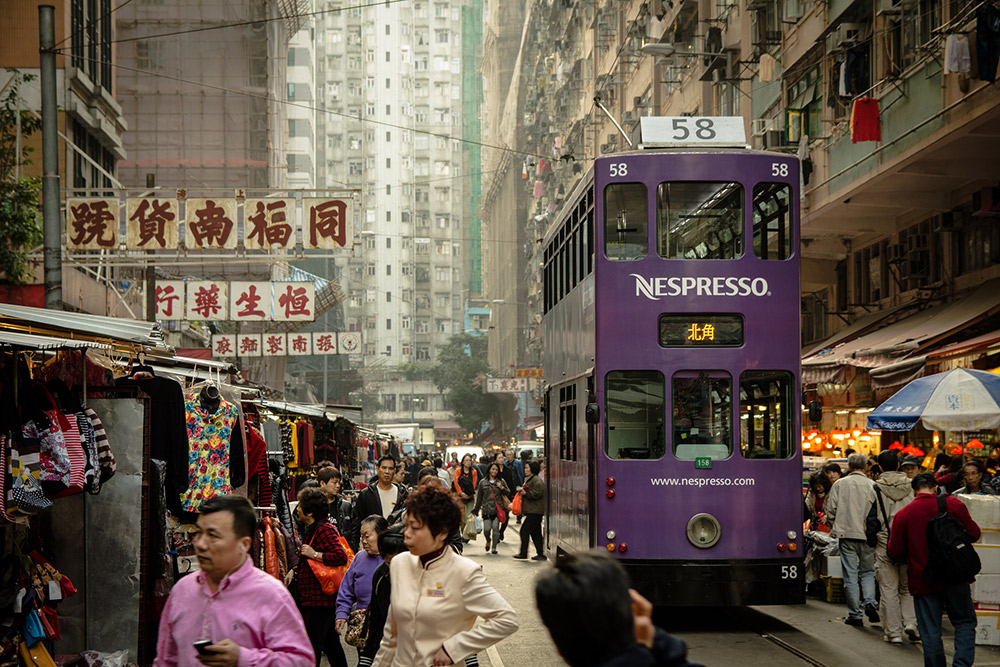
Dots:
pixel 397 100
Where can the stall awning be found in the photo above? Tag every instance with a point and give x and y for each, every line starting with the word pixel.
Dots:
pixel 305 409
pixel 348 412
pixel 966 346
pixel 910 334
pixel 447 425
pixel 35 342
pixel 35 320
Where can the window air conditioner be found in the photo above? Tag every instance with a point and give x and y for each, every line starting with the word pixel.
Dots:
pixel 986 202
pixel 772 139
pixel 849 33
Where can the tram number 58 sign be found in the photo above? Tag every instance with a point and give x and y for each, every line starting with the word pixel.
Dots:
pixel 675 131
pixel 789 571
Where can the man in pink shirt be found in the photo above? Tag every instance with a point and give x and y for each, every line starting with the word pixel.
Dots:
pixel 247 616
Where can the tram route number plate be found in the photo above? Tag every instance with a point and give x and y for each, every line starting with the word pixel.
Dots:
pixel 701 131
pixel 703 462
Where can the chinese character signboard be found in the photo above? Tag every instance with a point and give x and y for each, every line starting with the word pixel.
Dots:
pixel 151 224
pixel 248 345
pixel 275 345
pixel 324 342
pixel 529 373
pixel 250 302
pixel 170 303
pixel 207 300
pixel 325 223
pixel 349 343
pixel 211 223
pixel 91 224
pixel 294 301
pixel 267 223
pixel 506 385
pixel 223 345
pixel 299 344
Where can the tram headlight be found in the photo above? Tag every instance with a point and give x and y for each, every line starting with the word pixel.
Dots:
pixel 792 534
pixel 611 535
pixel 703 530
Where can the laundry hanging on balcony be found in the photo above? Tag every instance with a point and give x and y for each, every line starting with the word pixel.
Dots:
pixel 865 122
pixel 956 55
pixel 987 40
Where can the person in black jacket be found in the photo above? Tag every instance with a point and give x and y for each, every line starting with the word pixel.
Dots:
pixel 390 543
pixel 341 511
pixel 588 595
pixel 385 496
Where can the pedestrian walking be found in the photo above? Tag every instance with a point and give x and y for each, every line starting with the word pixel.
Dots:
pixel 246 614
pixel 385 496
pixel 532 507
pixel 833 472
pixel 931 597
pixel 341 512
pixel 596 620
pixel 910 466
pixel 491 498
pixel 442 472
pixel 356 588
pixel 847 508
pixel 973 473
pixel 466 480
pixel 819 489
pixel 513 477
pixel 390 543
pixel 437 595
pixel 320 543
pixel 892 493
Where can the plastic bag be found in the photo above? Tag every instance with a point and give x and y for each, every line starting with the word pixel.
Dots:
pixel 479 525
pixel 469 529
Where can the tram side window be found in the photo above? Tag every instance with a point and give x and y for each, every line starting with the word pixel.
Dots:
pixel 772 221
pixel 702 415
pixel 699 220
pixel 766 414
pixel 567 422
pixel 634 415
pixel 626 225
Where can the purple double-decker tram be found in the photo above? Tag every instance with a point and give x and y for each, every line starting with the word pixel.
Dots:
pixel 671 330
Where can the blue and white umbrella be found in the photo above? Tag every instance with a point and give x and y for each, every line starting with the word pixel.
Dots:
pixel 958 400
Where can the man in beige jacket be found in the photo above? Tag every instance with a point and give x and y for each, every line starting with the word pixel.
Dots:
pixel 847 508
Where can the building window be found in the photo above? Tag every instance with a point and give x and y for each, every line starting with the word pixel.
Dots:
pixel 388 324
pixel 388 269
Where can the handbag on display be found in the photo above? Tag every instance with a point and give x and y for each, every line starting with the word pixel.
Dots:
pixel 25 496
pixel 35 656
pixel 105 457
pixel 330 577
pixel 34 631
pixel 356 633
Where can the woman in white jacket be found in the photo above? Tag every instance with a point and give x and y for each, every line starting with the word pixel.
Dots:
pixel 437 594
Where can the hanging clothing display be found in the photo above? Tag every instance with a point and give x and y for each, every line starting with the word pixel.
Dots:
pixel 767 67
pixel 538 190
pixel 210 436
pixel 987 41
pixel 957 59
pixel 257 466
pixel 865 122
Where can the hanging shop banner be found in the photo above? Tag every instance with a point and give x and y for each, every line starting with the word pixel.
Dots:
pixel 228 346
pixel 325 342
pixel 92 224
pixel 154 223
pixel 529 373
pixel 299 344
pixel 151 224
pixel 247 345
pixel 217 300
pixel 223 345
pixel 508 385
pixel 349 343
pixel 210 224
pixel 267 223
pixel 274 345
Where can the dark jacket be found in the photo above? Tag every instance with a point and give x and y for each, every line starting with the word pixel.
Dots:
pixel 667 651
pixel 369 502
pixel 378 610
pixel 533 500
pixel 466 483
pixel 485 497
pixel 509 475
pixel 342 516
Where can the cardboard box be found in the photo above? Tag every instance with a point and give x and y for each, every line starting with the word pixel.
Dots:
pixel 987 628
pixel 830 566
pixel 990 557
pixel 985 510
pixel 986 589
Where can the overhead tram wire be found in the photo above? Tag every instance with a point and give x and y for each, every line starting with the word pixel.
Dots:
pixel 326 111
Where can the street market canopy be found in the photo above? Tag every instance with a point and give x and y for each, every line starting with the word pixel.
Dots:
pixel 902 339
pixel 958 400
pixel 58 324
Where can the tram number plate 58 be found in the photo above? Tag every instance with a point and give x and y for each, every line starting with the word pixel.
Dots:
pixel 789 571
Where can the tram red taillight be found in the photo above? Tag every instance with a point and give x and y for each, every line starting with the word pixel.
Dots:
pixel 610 493
pixel 610 481
pixel 623 547
pixel 781 546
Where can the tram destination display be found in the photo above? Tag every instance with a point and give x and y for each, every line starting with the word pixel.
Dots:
pixel 704 330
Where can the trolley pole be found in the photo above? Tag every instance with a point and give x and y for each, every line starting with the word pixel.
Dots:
pixel 50 159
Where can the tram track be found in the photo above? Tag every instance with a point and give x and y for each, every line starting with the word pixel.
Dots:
pixel 770 637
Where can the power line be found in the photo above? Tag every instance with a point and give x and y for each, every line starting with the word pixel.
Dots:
pixel 331 112
pixel 83 28
pixel 238 24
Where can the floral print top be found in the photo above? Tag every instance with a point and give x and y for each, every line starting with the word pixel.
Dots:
pixel 208 454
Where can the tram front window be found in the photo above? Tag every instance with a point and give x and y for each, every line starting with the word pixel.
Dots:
pixel 766 414
pixel 702 415
pixel 634 414
pixel 699 220
pixel 626 225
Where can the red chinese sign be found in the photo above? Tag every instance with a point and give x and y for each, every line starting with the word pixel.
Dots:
pixel 299 344
pixel 326 223
pixel 324 343
pixel 268 223
pixel 251 302
pixel 207 300
pixel 223 346
pixel 248 345
pixel 529 373
pixel 274 345
pixel 169 298
pixel 211 223
pixel 91 224
pixel 151 224
pixel 294 301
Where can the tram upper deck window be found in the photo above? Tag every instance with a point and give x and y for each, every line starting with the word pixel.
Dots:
pixel 772 221
pixel 699 220
pixel 766 414
pixel 702 415
pixel 634 415
pixel 626 225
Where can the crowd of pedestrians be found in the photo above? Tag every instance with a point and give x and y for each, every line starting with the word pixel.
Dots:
pixel 901 534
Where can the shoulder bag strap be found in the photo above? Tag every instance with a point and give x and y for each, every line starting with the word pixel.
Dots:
pixel 881 506
pixel 942 504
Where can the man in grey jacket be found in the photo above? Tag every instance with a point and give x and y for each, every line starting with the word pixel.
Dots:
pixel 847 508
pixel 893 491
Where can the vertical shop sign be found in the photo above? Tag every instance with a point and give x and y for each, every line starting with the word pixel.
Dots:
pixel 207 300
pixel 294 301
pixel 91 224
pixel 210 224
pixel 250 302
pixel 274 345
pixel 170 303
pixel 151 224
pixel 268 223
pixel 326 223
pixel 223 346
pixel 248 345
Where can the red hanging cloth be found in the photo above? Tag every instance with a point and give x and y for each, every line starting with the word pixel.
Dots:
pixel 865 122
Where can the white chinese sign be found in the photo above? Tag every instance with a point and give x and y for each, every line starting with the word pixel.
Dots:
pixel 506 385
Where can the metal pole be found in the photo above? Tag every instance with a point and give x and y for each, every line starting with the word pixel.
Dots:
pixel 50 159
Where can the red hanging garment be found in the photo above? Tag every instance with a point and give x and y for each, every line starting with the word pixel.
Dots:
pixel 865 122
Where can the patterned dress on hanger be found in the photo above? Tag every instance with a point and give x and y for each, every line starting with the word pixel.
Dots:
pixel 208 456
